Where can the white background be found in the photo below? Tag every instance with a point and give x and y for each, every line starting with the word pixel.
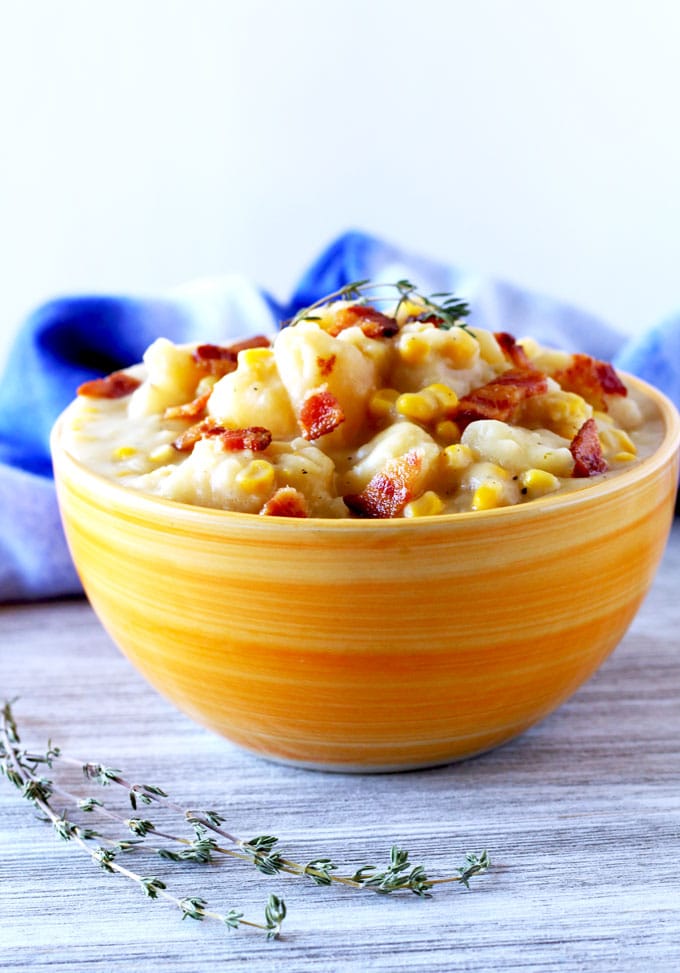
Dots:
pixel 147 142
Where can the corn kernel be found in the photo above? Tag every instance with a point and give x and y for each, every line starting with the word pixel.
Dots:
pixel 626 442
pixel 458 456
pixel 461 349
pixel 414 349
pixel 255 359
pixel 426 505
pixel 124 452
pixel 536 483
pixel 257 477
pixel 431 403
pixel 445 396
pixel 409 309
pixel 162 454
pixel 615 440
pixel 421 406
pixel 447 431
pixel 487 496
pixel 624 457
pixel 382 402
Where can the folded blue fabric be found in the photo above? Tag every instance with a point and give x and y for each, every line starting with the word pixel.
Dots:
pixel 71 340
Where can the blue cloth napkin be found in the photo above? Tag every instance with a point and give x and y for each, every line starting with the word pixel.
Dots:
pixel 70 340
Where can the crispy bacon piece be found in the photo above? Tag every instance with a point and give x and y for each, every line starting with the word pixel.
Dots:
pixel 372 322
pixel 256 438
pixel 213 360
pixel 114 386
pixel 512 350
pixel 320 414
pixel 390 490
pixel 286 502
pixel 609 379
pixel 190 410
pixel 221 359
pixel 587 452
pixel 592 379
pixel 501 398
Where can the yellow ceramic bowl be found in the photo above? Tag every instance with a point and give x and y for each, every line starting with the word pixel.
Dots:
pixel 371 645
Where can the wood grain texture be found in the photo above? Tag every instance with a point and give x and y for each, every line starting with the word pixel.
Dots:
pixel 581 816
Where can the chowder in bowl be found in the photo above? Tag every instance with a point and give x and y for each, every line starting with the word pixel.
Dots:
pixel 380 540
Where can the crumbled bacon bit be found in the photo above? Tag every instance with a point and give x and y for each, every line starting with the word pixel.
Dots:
pixel 320 414
pixel 609 379
pixel 326 365
pixel 204 353
pixel 592 379
pixel 255 341
pixel 114 386
pixel 501 398
pixel 200 430
pixel 372 322
pixel 512 350
pixel 587 452
pixel 219 367
pixel 390 490
pixel 286 502
pixel 215 360
pixel 426 318
pixel 221 359
pixel 256 438
pixel 190 410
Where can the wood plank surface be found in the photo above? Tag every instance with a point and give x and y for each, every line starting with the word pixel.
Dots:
pixel 581 817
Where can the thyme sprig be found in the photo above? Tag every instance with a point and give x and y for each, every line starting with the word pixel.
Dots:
pixel 209 840
pixel 19 767
pixel 442 308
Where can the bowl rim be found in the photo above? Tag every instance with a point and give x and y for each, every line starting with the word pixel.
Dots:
pixel 664 453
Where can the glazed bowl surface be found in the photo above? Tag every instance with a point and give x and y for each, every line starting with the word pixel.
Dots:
pixel 357 645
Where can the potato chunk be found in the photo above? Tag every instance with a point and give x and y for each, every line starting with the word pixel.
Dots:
pixel 429 356
pixel 391 444
pixel 516 448
pixel 171 379
pixel 254 394
pixel 311 360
